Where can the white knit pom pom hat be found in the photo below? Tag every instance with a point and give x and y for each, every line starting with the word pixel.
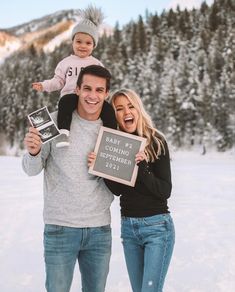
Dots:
pixel 92 18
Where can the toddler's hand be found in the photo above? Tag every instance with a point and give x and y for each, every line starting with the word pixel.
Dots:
pixel 37 86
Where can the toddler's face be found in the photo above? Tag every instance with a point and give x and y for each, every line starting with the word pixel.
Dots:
pixel 83 45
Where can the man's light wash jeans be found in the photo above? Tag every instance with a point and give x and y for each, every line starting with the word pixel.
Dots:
pixel 63 246
pixel 148 245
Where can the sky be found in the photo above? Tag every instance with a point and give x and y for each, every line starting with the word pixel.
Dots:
pixel 202 206
pixel 122 10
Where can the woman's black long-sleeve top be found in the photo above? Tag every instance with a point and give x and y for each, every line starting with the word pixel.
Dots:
pixel 152 189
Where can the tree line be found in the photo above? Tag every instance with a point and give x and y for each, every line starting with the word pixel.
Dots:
pixel 180 62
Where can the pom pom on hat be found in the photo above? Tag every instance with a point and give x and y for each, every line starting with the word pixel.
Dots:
pixel 92 18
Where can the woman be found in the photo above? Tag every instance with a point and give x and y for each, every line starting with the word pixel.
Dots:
pixel 147 228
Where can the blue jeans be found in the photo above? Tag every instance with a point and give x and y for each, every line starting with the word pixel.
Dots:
pixel 64 245
pixel 148 245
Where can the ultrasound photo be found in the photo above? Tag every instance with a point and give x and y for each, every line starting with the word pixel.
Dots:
pixel 42 120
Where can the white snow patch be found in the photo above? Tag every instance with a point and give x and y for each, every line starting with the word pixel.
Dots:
pixel 8 49
pixel 202 206
pixel 58 40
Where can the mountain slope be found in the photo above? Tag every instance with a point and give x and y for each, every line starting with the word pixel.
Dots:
pixel 44 33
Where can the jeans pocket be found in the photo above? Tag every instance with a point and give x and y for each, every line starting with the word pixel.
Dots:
pixel 105 228
pixel 157 220
pixel 51 229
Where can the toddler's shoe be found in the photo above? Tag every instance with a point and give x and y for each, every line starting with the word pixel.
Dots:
pixel 62 140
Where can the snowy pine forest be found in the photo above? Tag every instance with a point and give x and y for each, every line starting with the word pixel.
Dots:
pixel 181 62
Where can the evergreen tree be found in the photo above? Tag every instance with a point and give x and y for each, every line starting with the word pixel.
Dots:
pixel 182 64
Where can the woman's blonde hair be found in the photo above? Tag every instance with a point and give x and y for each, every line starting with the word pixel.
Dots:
pixel 145 128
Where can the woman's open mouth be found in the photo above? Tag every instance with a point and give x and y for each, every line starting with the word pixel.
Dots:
pixel 129 121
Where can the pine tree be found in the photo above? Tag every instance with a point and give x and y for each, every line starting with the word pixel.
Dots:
pixel 182 64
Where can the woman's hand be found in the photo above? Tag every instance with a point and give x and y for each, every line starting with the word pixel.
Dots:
pixel 140 156
pixel 91 158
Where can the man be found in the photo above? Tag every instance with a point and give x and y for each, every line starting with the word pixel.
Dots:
pixel 76 204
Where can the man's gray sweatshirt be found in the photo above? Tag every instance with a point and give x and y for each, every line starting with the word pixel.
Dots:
pixel 72 196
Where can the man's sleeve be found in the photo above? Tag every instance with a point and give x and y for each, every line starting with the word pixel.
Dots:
pixel 33 165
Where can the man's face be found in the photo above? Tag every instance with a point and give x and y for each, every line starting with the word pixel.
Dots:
pixel 91 97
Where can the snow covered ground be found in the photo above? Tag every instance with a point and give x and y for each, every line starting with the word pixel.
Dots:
pixel 202 206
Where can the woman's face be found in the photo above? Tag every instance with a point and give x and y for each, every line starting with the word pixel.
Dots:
pixel 126 114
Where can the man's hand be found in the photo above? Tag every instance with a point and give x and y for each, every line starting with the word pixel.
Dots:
pixel 33 141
